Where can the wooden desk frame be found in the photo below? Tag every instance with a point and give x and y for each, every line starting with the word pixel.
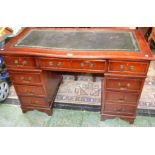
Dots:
pixel 36 73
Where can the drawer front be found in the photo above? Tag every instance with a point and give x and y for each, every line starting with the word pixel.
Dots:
pixel 54 63
pixel 124 84
pixel 128 67
pixel 30 90
pixel 34 101
pixel 120 109
pixel 122 97
pixel 77 65
pixel 19 62
pixel 89 65
pixel 26 78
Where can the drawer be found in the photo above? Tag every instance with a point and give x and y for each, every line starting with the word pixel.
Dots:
pixel 24 90
pixel 124 84
pixel 120 109
pixel 128 67
pixel 89 65
pixel 19 62
pixel 69 65
pixel 34 101
pixel 122 97
pixel 26 78
pixel 54 63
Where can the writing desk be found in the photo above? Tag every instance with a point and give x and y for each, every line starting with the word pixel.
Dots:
pixel 37 57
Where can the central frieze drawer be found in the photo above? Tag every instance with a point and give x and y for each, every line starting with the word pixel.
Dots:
pixel 25 90
pixel 34 101
pixel 98 65
pixel 19 62
pixel 124 84
pixel 26 78
pixel 62 64
pixel 128 67
pixel 121 97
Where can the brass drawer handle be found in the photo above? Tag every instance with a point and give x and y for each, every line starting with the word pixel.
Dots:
pixel 125 86
pixel 128 85
pixel 123 109
pixel 91 65
pixel 30 92
pixel 122 99
pixel 119 110
pixel 119 84
pixel 59 64
pixel 16 62
pixel 22 77
pixel 114 109
pixel 122 67
pixel 30 78
pixel 24 62
pixel 132 68
pixel 81 65
pixel 51 63
pixel 34 102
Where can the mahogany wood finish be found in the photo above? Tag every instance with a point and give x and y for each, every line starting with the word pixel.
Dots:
pixel 36 89
pixel 36 73
pixel 120 84
pixel 20 62
pixel 69 65
pixel 128 67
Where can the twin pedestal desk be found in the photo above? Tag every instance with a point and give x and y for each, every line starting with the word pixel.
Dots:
pixel 37 57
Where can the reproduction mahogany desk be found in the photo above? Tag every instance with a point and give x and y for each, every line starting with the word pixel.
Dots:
pixel 37 57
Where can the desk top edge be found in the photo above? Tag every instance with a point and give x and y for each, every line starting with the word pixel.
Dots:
pixel 144 54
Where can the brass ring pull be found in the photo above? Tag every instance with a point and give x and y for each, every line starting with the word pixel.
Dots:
pixel 122 99
pixel 16 62
pixel 81 65
pixel 51 63
pixel 35 102
pixel 114 109
pixel 24 62
pixel 91 65
pixel 128 85
pixel 59 64
pixel 22 77
pixel 31 93
pixel 123 110
pixel 132 68
pixel 125 86
pixel 121 86
pixel 122 67
pixel 30 78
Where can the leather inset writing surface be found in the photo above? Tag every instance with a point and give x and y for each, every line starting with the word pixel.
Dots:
pixel 80 40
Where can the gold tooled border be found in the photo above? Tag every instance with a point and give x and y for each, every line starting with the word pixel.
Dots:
pixel 132 37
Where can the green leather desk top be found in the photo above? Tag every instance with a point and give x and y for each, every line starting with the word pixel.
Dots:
pixel 80 40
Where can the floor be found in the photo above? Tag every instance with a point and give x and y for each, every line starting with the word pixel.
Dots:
pixel 12 116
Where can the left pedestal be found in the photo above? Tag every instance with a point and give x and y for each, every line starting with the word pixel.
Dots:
pixel 36 89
